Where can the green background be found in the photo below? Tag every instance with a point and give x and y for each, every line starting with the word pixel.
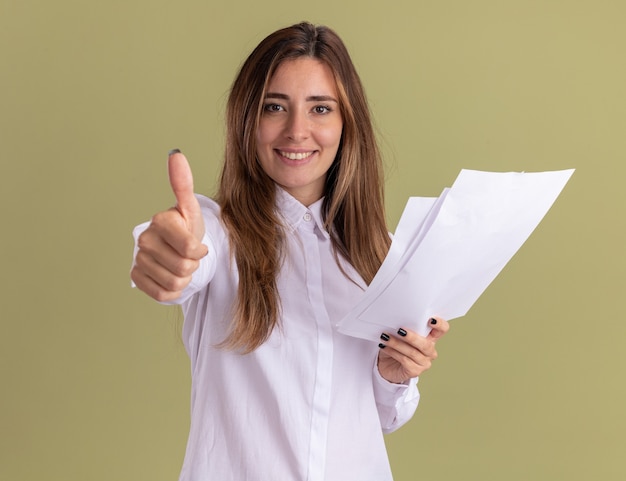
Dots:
pixel 95 381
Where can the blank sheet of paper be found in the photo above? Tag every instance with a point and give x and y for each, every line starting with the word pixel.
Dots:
pixel 446 251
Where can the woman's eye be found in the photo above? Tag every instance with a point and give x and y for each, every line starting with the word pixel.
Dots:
pixel 272 108
pixel 321 109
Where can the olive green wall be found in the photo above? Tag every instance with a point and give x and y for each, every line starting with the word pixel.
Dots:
pixel 529 385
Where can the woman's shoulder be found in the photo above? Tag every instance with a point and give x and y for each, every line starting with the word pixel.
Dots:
pixel 208 205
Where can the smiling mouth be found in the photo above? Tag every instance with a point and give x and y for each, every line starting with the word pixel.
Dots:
pixel 296 155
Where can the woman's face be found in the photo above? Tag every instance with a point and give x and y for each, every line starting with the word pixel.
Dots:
pixel 300 128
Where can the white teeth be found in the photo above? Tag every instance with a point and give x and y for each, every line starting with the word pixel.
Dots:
pixel 296 155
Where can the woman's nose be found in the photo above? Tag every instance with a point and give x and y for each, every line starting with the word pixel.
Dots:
pixel 297 128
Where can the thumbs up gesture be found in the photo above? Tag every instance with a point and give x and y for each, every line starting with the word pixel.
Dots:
pixel 170 249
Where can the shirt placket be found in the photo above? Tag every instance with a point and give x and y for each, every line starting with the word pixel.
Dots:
pixel 323 369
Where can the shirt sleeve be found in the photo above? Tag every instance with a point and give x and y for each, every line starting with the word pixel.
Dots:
pixel 396 403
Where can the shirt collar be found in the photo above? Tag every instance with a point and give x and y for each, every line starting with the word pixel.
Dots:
pixel 294 213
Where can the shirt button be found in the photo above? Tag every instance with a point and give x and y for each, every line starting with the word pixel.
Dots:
pixel 307 217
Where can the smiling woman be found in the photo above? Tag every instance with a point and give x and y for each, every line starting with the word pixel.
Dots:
pixel 265 272
pixel 247 192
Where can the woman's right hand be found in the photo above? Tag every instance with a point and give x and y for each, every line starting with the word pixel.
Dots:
pixel 170 249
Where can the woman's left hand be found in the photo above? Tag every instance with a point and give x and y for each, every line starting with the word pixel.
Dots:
pixel 406 354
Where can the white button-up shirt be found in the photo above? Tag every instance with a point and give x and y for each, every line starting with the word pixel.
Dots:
pixel 309 404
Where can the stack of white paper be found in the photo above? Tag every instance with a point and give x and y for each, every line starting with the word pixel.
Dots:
pixel 446 251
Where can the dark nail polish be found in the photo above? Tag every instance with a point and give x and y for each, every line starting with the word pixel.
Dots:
pixel 401 332
pixel 433 321
pixel 381 345
pixel 173 151
pixel 384 337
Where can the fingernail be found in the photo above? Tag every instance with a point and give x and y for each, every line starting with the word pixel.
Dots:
pixel 173 151
pixel 384 337
pixel 381 345
pixel 401 332
pixel 433 321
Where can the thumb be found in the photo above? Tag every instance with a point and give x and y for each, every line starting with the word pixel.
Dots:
pixel 181 180
pixel 439 328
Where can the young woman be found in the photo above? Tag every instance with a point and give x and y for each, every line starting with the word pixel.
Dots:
pixel 264 272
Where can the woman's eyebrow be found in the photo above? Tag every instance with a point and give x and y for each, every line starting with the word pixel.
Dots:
pixel 311 98
pixel 274 95
pixel 321 98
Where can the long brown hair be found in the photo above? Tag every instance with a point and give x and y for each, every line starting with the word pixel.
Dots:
pixel 353 205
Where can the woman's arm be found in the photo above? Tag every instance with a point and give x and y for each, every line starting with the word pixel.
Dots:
pixel 402 358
